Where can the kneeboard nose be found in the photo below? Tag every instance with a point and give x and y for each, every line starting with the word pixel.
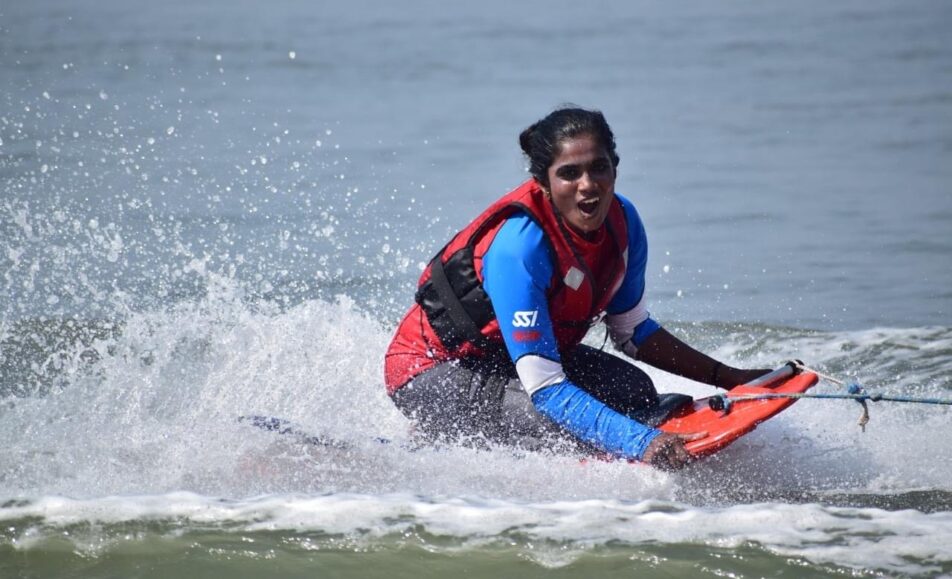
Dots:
pixel 725 426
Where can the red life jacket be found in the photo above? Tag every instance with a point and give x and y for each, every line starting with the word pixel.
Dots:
pixel 457 318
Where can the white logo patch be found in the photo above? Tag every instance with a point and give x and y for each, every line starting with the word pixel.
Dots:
pixel 574 278
pixel 525 319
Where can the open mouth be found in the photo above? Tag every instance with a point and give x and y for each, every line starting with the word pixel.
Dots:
pixel 589 207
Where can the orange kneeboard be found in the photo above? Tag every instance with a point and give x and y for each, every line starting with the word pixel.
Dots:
pixel 723 428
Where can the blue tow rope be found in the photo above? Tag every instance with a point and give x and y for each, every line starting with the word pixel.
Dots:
pixel 854 392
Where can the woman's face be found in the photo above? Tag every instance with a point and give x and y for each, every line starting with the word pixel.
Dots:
pixel 582 182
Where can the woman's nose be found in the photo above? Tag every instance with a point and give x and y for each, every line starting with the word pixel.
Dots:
pixel 586 182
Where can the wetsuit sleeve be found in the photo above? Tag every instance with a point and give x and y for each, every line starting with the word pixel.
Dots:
pixel 589 419
pixel 629 323
pixel 517 271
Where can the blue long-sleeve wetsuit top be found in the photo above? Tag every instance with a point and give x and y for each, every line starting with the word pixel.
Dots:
pixel 517 272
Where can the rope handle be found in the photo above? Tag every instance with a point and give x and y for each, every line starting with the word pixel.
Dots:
pixel 723 402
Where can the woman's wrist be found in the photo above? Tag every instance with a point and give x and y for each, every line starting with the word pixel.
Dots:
pixel 716 374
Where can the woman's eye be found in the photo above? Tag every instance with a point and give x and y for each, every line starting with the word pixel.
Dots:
pixel 569 173
pixel 601 167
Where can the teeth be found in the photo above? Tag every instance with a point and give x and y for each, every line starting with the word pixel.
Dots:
pixel 588 206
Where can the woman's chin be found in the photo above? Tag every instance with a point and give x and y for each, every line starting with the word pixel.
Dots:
pixel 585 224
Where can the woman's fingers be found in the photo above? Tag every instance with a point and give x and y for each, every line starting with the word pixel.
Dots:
pixel 689 437
pixel 730 377
pixel 736 377
pixel 667 451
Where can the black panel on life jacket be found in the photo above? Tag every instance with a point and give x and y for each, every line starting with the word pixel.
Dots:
pixel 454 300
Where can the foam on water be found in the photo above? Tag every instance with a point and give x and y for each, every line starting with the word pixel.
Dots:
pixel 152 407
pixel 553 534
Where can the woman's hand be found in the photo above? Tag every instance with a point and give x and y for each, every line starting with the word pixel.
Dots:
pixel 728 377
pixel 667 452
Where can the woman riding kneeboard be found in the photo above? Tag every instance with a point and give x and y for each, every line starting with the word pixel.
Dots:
pixel 491 350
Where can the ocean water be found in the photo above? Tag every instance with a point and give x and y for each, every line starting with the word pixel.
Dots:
pixel 216 209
